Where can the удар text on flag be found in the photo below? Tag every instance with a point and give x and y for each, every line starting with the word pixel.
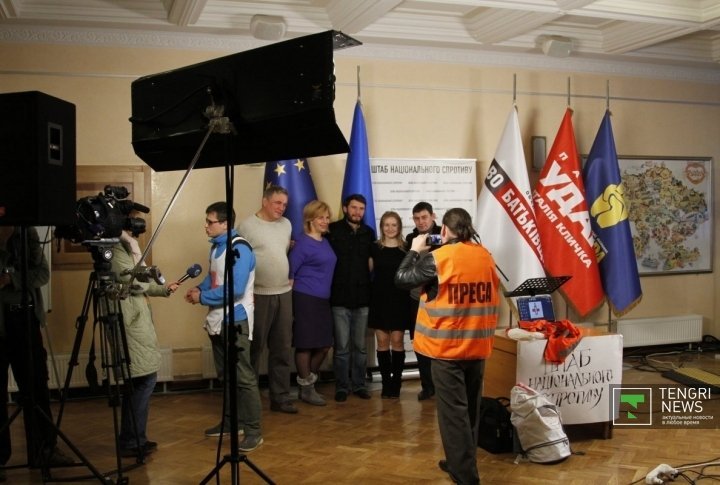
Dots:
pixel 564 224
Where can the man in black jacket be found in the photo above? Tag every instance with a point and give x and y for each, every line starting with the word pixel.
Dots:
pixel 424 219
pixel 350 297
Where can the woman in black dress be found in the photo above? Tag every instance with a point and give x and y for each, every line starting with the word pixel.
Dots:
pixel 389 306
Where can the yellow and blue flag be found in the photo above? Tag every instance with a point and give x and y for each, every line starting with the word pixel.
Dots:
pixel 357 170
pixel 609 217
pixel 294 176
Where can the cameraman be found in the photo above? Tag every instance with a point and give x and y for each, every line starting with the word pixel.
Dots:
pixel 455 327
pixel 144 353
pixel 14 336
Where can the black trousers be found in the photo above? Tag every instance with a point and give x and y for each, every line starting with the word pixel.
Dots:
pixel 14 352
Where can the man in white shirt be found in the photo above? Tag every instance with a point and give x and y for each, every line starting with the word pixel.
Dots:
pixel 269 234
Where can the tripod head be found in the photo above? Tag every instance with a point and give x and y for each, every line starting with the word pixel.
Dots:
pixel 101 251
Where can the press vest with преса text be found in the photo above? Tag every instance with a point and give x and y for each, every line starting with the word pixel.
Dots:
pixel 474 292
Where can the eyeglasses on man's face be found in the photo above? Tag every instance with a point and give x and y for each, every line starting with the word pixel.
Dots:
pixel 208 222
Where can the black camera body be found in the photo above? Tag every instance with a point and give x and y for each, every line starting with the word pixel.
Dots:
pixel 104 216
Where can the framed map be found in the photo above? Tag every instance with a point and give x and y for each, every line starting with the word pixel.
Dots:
pixel 671 213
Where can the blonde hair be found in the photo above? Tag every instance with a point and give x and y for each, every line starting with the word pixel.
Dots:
pixel 382 240
pixel 313 209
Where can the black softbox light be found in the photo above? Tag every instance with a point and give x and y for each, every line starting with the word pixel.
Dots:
pixel 278 98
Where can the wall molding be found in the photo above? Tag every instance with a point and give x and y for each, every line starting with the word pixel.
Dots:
pixel 193 41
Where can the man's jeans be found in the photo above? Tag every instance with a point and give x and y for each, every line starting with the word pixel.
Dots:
pixel 248 395
pixel 350 346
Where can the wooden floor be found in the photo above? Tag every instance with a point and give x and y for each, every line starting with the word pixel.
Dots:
pixel 356 442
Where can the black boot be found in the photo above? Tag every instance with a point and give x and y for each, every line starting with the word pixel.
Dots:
pixel 398 364
pixel 383 358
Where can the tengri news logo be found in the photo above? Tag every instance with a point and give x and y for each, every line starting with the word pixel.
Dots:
pixel 631 406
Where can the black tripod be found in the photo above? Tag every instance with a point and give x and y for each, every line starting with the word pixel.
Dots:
pixel 104 294
pixel 39 452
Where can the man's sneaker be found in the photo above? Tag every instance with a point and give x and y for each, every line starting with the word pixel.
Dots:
pixel 283 407
pixel 217 430
pixel 341 396
pixel 249 443
pixel 442 464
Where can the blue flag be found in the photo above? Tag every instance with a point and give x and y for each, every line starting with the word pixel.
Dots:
pixel 357 170
pixel 293 176
pixel 609 217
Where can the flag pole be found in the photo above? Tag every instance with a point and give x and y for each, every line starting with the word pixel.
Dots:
pixel 514 88
pixel 358 83
pixel 568 91
pixel 607 95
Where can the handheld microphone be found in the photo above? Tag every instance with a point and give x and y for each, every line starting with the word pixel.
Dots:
pixel 191 272
pixel 145 273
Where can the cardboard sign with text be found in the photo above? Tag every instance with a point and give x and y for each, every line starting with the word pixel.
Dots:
pixel 579 387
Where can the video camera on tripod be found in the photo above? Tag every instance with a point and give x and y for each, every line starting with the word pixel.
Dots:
pixel 104 216
pixel 100 221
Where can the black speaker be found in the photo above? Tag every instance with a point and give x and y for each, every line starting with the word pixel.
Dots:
pixel 37 160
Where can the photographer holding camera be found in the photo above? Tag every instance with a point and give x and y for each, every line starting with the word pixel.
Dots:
pixel 14 336
pixel 455 327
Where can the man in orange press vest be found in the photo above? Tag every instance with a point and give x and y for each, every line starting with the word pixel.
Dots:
pixel 455 327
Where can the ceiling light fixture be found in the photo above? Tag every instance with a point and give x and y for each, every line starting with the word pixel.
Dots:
pixel 268 27
pixel 557 46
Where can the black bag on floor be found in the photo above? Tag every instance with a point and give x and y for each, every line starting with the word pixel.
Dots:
pixel 495 431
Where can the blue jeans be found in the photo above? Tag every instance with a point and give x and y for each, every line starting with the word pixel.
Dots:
pixel 350 345
pixel 136 404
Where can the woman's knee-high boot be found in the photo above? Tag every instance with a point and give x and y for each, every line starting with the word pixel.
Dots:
pixel 383 358
pixel 398 364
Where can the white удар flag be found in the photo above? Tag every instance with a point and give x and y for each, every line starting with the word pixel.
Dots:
pixel 505 216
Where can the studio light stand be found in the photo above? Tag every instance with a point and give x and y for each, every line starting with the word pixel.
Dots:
pixel 270 103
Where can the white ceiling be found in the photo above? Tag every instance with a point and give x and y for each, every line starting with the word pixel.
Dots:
pixel 667 34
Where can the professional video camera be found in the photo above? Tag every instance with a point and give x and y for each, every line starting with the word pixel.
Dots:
pixel 104 216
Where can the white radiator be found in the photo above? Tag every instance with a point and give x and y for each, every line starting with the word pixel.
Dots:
pixel 78 379
pixel 165 373
pixel 641 332
pixel 208 363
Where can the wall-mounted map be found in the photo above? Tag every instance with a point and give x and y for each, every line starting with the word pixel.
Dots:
pixel 670 213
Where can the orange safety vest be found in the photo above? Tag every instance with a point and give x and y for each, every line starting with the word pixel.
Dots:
pixel 459 324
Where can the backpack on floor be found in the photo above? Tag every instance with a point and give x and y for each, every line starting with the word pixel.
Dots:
pixel 495 431
pixel 538 426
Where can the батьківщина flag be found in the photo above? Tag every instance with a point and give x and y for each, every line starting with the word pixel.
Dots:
pixel 294 176
pixel 610 222
pixel 564 223
pixel 505 218
pixel 357 170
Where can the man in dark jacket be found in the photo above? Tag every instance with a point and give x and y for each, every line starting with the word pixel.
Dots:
pixel 424 219
pixel 18 329
pixel 350 297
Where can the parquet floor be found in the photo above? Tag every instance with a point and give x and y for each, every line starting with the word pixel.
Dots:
pixel 356 442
